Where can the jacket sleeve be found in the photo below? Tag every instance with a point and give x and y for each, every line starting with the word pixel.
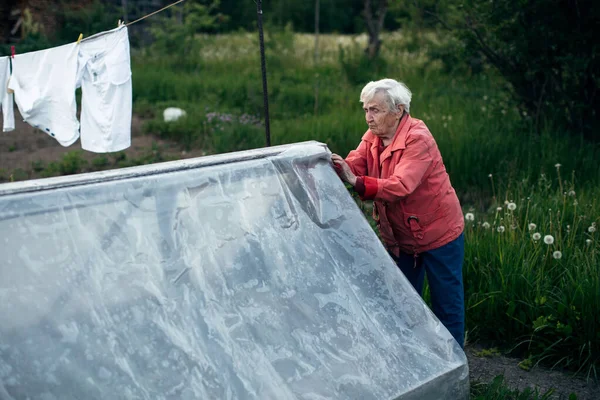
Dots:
pixel 408 173
pixel 357 159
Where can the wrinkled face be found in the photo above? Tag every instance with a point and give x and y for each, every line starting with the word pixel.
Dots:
pixel 382 122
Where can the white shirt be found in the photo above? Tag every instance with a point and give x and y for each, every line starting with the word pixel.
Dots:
pixel 104 74
pixel 6 99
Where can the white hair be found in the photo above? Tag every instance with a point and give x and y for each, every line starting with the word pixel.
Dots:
pixel 395 93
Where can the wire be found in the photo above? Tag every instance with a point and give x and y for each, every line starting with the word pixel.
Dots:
pixel 130 23
pixel 155 12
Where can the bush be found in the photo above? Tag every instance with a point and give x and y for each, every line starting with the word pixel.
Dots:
pixel 549 51
pixel 360 69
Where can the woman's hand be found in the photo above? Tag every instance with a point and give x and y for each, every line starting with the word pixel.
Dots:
pixel 343 169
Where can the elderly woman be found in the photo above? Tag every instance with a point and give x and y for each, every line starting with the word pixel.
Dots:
pixel 399 166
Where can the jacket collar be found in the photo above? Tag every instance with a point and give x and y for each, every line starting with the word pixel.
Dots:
pixel 399 141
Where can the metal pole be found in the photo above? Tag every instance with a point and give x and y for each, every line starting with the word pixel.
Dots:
pixel 264 71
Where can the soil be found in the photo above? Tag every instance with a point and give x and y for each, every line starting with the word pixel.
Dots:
pixel 485 369
pixel 24 146
pixel 21 148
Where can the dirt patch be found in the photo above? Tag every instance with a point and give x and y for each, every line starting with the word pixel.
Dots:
pixel 484 369
pixel 27 150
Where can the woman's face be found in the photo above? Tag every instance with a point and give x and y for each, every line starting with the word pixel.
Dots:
pixel 382 122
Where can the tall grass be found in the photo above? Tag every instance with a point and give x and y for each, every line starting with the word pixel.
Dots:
pixel 532 273
pixel 520 292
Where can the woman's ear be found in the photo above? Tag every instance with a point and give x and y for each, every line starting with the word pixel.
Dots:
pixel 401 109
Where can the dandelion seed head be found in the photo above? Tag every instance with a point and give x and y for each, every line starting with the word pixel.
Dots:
pixel 485 98
pixel 500 228
pixel 506 202
pixel 536 236
pixel 557 255
pixel 490 175
pixel 499 209
pixel 557 165
pixel 588 241
pixel 470 217
pixel 486 225
pixel 591 229
pixel 548 239
pixel 512 206
pixel 571 193
pixel 532 226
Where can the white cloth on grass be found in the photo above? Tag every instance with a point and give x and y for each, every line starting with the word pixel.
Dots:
pixel 104 74
pixel 44 88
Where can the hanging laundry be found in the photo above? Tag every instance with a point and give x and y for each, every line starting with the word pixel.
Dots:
pixel 6 98
pixel 104 75
pixel 44 87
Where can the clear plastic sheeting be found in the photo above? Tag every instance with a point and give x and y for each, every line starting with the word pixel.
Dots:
pixel 251 275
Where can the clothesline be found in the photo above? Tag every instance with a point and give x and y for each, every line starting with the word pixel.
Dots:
pixel 12 48
pixel 155 12
pixel 139 19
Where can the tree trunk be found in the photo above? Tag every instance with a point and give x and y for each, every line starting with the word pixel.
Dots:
pixel 374 19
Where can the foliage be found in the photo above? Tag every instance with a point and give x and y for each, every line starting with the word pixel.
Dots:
pixel 358 68
pixel 549 52
pixel 498 390
pixel 532 273
pixel 342 16
pixel 174 30
pixel 97 17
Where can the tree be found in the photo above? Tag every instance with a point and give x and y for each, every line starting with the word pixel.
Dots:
pixel 374 14
pixel 548 50
pixel 174 32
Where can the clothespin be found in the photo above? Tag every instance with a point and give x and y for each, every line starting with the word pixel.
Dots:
pixel 80 37
pixel 119 23
pixel 12 51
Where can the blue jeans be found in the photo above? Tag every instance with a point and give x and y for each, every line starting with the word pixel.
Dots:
pixel 444 275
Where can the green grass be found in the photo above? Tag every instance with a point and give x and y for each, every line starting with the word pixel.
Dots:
pixel 497 389
pixel 539 299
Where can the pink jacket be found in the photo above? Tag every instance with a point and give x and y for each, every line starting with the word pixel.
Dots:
pixel 414 202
